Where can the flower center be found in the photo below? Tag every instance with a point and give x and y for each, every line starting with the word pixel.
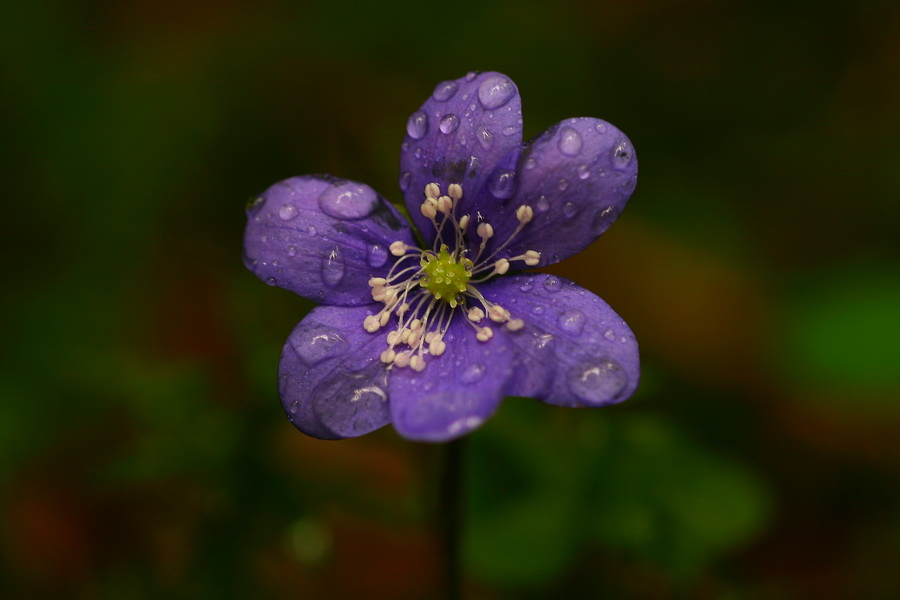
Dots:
pixel 425 298
pixel 445 276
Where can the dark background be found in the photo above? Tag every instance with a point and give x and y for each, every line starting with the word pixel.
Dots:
pixel 143 451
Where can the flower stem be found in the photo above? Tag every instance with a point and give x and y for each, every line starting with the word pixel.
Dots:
pixel 451 519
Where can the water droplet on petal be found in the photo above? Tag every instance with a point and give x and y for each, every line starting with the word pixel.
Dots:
pixel 527 285
pixel 622 155
pixel 601 127
pixel 502 183
pixel 254 206
pixel 543 204
pixel 485 137
pixel 571 321
pixel 570 210
pixel 472 373
pixel 471 75
pixel 510 130
pixel 495 92
pixel 449 123
pixel 563 185
pixel 287 212
pixel 271 281
pixel 311 230
pixel 315 343
pixel 569 142
pixel 417 125
pixel 597 381
pixel 537 309
pixel 584 172
pixel 530 163
pixel 333 267
pixel 445 90
pixel 405 180
pixel 609 334
pixel 292 250
pixel 552 284
pixel 348 200
pixel 376 256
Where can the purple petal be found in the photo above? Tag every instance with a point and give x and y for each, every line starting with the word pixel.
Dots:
pixel 456 392
pixel 462 133
pixel 331 381
pixel 322 237
pixel 573 350
pixel 577 178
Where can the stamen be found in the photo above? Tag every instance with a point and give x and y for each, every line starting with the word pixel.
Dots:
pixel 475 314
pixel 515 324
pixel 484 334
pixel 398 248
pixel 524 214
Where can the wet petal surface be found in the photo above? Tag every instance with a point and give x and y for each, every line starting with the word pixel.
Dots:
pixel 456 392
pixel 468 131
pixel 331 383
pixel 573 350
pixel 322 238
pixel 577 177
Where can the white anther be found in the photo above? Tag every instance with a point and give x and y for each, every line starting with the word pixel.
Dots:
pixel 375 281
pixel 398 248
pixel 371 324
pixel 401 310
pixel 385 316
pixel 404 335
pixel 532 258
pixel 415 324
pixel 401 359
pixel 454 191
pixel 464 222
pixel 475 314
pixel 428 209
pixel 387 357
pixel 485 231
pixel 524 214
pixel 417 363
pixel 378 293
pixel 515 324
pixel 432 190
pixel 394 338
pixel 484 334
pixel 501 266
pixel 413 339
pixel 430 336
pixel 437 346
pixel 444 204
pixel 498 313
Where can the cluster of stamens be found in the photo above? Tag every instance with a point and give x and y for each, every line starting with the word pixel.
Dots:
pixel 424 288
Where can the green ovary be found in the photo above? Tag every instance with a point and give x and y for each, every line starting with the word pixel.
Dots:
pixel 444 276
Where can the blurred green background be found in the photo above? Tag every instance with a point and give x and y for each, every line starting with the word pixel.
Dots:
pixel 143 451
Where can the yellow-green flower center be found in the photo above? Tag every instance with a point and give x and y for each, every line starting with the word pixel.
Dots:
pixel 445 276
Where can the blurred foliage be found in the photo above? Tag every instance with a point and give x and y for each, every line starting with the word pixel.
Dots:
pixel 143 453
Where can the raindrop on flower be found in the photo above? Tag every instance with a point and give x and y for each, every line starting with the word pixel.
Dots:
pixel 495 92
pixel 333 267
pixel 552 284
pixel 597 381
pixel 584 172
pixel 472 373
pixel 417 125
pixel 348 201
pixel 449 123
pixel 485 137
pixel 569 142
pixel 287 212
pixel 445 90
pixel 502 184
pixel 610 335
pixel 571 321
pixel 570 210
pixel 376 256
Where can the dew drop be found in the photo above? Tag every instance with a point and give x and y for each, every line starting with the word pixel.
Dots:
pixel 527 285
pixel 485 137
pixel 597 381
pixel 610 335
pixel 316 343
pixel 417 125
pixel 537 309
pixel 255 205
pixel 552 284
pixel 584 172
pixel 622 155
pixel 449 123
pixel 376 256
pixel 418 153
pixel 569 142
pixel 333 267
pixel 502 184
pixel 287 212
pixel 571 321
pixel 405 180
pixel 601 127
pixel 311 230
pixel 570 210
pixel 271 281
pixel 445 90
pixel 472 373
pixel 530 163
pixel 471 75
pixel 292 250
pixel 510 130
pixel 348 200
pixel 563 185
pixel 495 92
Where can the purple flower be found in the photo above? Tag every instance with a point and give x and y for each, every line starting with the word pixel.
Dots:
pixel 432 339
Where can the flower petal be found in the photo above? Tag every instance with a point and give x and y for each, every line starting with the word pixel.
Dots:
pixel 574 350
pixel 466 129
pixel 331 381
pixel 577 178
pixel 456 392
pixel 323 238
